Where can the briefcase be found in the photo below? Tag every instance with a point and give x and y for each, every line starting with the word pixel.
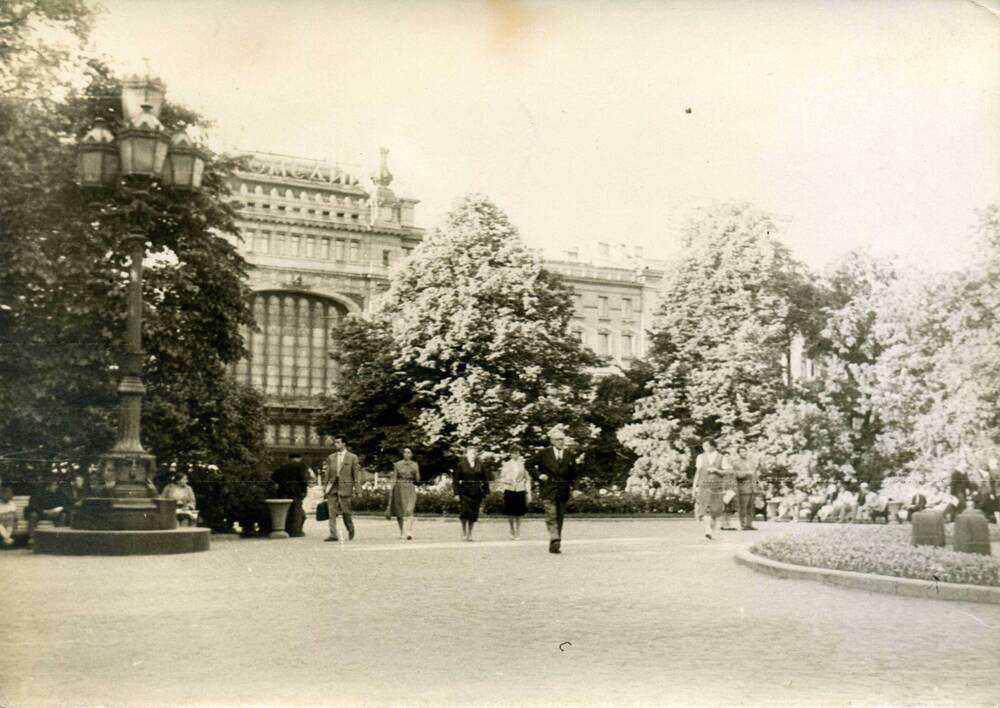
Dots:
pixel 323 511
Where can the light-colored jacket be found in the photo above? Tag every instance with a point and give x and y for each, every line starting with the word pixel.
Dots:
pixel 514 477
pixel 347 478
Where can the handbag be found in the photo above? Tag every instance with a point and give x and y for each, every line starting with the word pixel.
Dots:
pixel 728 496
pixel 323 511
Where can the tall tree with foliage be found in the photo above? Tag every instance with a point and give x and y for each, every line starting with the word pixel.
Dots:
pixel 473 343
pixel 936 384
pixel 720 339
pixel 64 289
pixel 828 428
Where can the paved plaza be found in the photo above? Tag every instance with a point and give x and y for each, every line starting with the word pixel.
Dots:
pixel 634 611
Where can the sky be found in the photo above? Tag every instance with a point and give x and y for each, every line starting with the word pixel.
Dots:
pixel 871 125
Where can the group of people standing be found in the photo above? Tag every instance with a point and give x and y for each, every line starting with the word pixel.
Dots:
pixel 723 485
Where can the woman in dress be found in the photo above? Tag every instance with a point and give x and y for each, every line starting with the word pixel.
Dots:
pixel 516 486
pixel 180 491
pixel 403 498
pixel 708 476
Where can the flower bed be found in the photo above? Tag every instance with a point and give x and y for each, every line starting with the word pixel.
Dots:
pixel 881 550
pixel 442 501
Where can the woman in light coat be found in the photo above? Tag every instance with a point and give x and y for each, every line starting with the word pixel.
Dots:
pixel 516 486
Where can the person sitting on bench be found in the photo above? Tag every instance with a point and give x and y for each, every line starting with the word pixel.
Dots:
pixel 47 504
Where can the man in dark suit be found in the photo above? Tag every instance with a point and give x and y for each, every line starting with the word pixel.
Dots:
pixel 555 470
pixel 292 482
pixel 341 481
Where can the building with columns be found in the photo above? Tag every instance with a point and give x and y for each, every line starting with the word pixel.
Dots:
pixel 322 243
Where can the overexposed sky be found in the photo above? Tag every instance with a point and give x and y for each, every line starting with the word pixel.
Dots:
pixel 857 124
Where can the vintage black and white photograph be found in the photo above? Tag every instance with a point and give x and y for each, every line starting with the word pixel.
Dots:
pixel 499 353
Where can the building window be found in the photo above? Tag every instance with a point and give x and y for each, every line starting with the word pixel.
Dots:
pixel 355 251
pixel 341 249
pixel 604 343
pixel 290 356
pixel 627 350
pixel 295 244
pixel 627 308
pixel 310 246
pixel 602 306
pixel 279 244
pixel 386 258
pixel 325 249
pixel 263 242
pixel 603 250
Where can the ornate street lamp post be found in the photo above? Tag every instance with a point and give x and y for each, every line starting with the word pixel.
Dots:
pixel 142 151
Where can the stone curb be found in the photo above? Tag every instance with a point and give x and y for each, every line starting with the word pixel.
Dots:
pixel 908 587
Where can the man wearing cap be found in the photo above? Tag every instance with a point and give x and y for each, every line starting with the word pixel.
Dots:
pixel 555 470
pixel 292 482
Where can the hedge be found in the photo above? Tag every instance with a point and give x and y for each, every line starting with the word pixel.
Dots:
pixel 881 550
pixel 435 501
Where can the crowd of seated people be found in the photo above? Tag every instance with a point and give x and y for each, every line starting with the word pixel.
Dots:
pixel 802 501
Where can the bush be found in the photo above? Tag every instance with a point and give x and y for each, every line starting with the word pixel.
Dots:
pixel 432 500
pixel 882 550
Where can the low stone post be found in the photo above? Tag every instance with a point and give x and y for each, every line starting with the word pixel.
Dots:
pixel 279 515
pixel 772 510
pixel 972 532
pixel 893 508
pixel 928 528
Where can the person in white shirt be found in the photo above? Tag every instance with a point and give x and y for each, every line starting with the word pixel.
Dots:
pixel 516 486
pixel 8 516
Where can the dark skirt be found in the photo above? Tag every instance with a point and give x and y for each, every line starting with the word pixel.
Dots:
pixel 515 503
pixel 468 507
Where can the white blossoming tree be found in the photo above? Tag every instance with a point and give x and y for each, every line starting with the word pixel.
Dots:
pixel 720 339
pixel 481 350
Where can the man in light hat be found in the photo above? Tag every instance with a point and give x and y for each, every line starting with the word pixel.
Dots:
pixel 555 470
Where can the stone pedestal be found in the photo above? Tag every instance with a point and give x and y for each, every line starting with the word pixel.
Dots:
pixel 928 528
pixel 279 516
pixel 972 532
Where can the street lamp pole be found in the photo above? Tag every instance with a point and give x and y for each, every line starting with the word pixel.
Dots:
pixel 142 150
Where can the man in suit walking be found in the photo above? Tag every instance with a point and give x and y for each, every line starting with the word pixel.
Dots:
pixel 556 470
pixel 341 480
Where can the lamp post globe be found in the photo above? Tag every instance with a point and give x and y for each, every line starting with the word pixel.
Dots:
pixel 97 156
pixel 185 163
pixel 140 90
pixel 143 145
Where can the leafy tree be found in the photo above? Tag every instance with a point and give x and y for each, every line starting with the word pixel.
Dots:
pixel 62 303
pixel 829 427
pixel 607 460
pixel 935 384
pixel 720 339
pixel 478 350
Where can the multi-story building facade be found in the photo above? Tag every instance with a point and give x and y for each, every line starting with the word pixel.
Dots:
pixel 322 244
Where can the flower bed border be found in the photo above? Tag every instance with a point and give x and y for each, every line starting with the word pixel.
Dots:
pixel 887 584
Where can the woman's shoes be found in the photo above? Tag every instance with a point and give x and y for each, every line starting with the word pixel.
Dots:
pixel 708 536
pixel 409 538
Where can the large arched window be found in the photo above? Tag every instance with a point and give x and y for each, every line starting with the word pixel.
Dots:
pixel 289 356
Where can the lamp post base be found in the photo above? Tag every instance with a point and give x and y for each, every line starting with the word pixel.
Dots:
pixel 76 542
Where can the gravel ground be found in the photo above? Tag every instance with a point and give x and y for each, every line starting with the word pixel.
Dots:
pixel 633 612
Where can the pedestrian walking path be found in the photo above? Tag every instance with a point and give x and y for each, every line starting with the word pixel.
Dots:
pixel 643 611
